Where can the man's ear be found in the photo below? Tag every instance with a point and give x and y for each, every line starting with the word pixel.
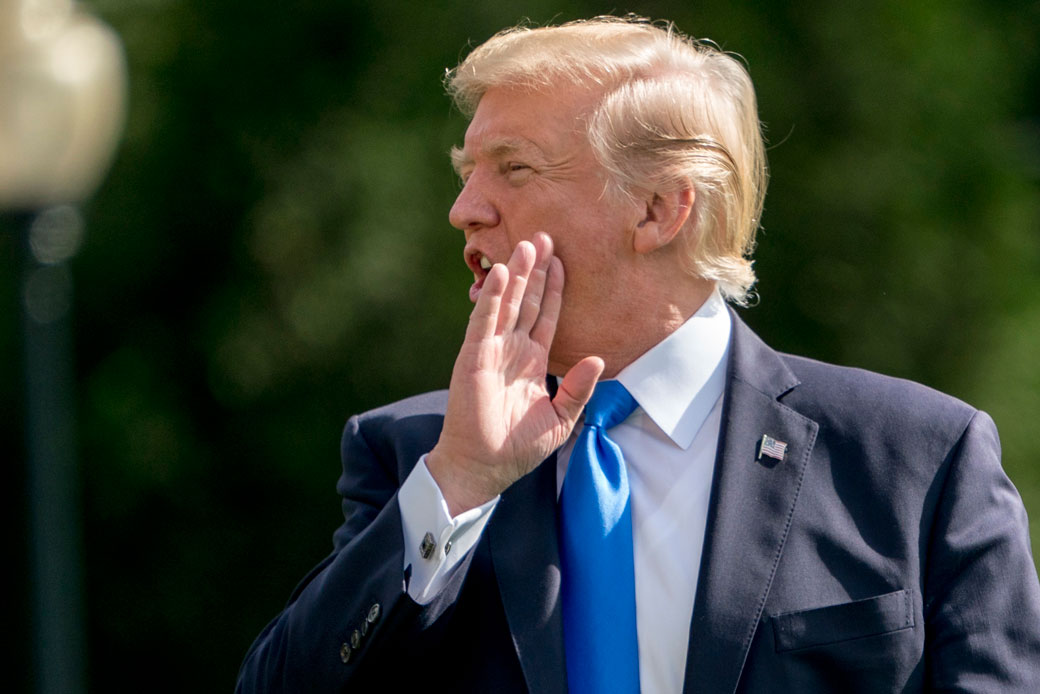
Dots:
pixel 663 216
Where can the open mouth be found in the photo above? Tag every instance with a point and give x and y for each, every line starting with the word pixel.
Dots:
pixel 480 264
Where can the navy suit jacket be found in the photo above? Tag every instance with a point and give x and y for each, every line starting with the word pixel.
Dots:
pixel 887 552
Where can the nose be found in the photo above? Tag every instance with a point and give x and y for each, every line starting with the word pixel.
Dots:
pixel 473 209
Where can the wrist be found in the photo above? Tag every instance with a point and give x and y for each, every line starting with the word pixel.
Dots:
pixel 461 489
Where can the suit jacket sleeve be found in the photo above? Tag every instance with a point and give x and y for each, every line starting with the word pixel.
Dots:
pixel 982 601
pixel 353 606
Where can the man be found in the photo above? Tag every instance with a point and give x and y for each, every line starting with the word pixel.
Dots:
pixel 781 524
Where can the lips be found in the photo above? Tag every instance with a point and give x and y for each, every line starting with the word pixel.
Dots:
pixel 480 265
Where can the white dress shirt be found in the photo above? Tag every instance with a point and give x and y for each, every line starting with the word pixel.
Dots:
pixel 669 444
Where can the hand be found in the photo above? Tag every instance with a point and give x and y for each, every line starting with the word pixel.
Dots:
pixel 500 422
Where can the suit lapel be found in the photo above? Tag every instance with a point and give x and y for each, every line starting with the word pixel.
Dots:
pixel 748 514
pixel 748 517
pixel 522 540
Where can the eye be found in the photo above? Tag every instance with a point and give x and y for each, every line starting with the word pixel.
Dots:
pixel 516 172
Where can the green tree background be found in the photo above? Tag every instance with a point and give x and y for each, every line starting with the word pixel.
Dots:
pixel 271 254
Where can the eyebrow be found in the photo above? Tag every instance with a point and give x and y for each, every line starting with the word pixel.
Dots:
pixel 495 149
pixel 459 159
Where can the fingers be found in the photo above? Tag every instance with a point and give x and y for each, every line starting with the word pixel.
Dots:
pixel 576 388
pixel 520 265
pixel 552 297
pixel 484 317
pixel 531 305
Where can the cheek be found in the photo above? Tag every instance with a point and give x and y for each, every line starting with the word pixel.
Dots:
pixel 596 238
pixel 526 222
pixel 587 266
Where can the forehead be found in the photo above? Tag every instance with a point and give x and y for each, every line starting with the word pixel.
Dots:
pixel 512 120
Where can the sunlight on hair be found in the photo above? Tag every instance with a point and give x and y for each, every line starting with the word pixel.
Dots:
pixel 674 112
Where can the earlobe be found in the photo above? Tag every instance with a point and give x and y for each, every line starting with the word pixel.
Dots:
pixel 663 218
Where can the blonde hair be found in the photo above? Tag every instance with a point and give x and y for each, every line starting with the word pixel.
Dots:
pixel 675 112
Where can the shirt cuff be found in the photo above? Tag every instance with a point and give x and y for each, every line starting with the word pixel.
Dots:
pixel 434 542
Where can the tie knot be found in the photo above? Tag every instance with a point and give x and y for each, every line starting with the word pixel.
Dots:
pixel 609 405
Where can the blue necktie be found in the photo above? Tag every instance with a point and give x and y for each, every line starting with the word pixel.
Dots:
pixel 598 576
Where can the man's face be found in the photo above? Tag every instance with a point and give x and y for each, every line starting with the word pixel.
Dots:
pixel 527 167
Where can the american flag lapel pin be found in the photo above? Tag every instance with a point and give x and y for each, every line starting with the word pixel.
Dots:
pixel 771 448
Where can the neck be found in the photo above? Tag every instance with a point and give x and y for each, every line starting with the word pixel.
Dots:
pixel 630 331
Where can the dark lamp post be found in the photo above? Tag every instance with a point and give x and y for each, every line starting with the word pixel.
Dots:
pixel 62 101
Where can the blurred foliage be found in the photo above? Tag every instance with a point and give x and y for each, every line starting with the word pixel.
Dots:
pixel 271 254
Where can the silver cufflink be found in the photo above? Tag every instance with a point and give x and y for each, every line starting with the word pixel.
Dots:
pixel 427 546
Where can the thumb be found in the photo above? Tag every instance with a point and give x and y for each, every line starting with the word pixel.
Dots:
pixel 576 388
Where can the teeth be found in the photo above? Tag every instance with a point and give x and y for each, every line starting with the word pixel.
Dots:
pixel 485 264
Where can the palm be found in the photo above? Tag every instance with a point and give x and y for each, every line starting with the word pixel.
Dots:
pixel 511 405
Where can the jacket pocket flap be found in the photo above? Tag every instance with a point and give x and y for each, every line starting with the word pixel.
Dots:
pixel 852 620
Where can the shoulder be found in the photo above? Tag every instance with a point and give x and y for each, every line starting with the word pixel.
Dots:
pixel 412 416
pixel 398 433
pixel 866 393
pixel 423 404
pixel 877 414
pixel 843 397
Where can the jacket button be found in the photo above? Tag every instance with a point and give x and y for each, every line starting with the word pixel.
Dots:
pixel 344 653
pixel 373 613
pixel 355 639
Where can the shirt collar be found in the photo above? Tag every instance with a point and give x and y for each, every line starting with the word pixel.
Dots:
pixel 678 381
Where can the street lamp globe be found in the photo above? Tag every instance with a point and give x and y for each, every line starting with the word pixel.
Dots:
pixel 62 102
